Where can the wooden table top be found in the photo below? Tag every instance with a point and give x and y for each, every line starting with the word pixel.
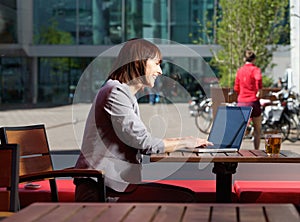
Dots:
pixel 155 212
pixel 246 156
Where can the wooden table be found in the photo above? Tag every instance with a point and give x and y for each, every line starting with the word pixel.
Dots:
pixel 154 212
pixel 225 164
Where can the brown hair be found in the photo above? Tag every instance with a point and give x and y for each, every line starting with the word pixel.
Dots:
pixel 249 56
pixel 131 61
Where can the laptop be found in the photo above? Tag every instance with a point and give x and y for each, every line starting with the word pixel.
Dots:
pixel 228 129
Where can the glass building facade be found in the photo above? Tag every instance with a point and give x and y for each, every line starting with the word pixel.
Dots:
pixel 106 22
pixel 38 39
pixel 45 46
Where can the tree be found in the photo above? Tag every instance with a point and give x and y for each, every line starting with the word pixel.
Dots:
pixel 247 24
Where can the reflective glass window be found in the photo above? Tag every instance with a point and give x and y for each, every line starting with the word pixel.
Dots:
pixel 106 22
pixel 58 78
pixel 187 18
pixel 67 22
pixel 54 22
pixel 8 21
pixel 155 19
pixel 99 22
pixel 13 79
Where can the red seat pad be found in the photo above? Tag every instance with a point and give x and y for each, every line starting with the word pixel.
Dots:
pixel 268 191
pixel 204 189
pixel 65 187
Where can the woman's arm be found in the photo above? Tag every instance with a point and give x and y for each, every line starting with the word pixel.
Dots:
pixel 173 144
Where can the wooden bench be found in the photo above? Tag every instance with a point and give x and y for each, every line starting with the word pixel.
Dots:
pixel 268 191
pixel 204 189
pixel 65 187
pixel 243 191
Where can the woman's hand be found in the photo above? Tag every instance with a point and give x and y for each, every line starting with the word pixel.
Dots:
pixel 192 142
pixel 173 144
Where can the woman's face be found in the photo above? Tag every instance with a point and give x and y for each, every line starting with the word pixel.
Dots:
pixel 153 70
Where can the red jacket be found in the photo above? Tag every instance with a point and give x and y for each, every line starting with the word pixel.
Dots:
pixel 248 81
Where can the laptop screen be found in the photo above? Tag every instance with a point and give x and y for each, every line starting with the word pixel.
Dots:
pixel 229 126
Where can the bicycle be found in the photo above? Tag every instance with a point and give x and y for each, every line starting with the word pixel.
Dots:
pixel 201 109
pixel 281 115
pixel 292 104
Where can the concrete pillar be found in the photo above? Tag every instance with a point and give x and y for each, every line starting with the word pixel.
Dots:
pixel 25 22
pixel 34 80
pixel 99 33
pixel 295 43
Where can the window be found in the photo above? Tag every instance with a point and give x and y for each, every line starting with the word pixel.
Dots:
pixel 8 27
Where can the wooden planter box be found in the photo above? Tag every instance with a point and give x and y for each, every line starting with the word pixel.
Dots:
pixel 222 96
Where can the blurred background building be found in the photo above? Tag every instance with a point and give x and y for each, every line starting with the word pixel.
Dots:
pixel 45 46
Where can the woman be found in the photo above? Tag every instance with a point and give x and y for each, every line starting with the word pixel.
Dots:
pixel 248 83
pixel 115 137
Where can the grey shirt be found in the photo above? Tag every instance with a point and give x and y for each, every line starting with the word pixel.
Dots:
pixel 115 137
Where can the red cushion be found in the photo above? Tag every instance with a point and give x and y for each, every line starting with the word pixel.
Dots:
pixel 65 187
pixel 268 191
pixel 204 189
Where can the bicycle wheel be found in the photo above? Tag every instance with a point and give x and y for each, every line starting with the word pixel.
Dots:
pixel 285 128
pixel 204 119
pixel 294 128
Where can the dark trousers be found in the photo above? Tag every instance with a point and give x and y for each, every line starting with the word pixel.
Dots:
pixel 86 191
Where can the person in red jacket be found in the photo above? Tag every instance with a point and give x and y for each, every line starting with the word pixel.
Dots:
pixel 248 83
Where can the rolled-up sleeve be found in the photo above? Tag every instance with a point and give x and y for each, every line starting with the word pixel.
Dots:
pixel 122 107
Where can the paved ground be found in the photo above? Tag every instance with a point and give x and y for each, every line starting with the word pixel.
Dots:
pixel 65 124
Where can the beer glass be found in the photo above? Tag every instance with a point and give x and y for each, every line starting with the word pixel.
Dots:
pixel 273 144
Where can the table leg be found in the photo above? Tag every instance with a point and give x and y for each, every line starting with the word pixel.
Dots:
pixel 224 173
